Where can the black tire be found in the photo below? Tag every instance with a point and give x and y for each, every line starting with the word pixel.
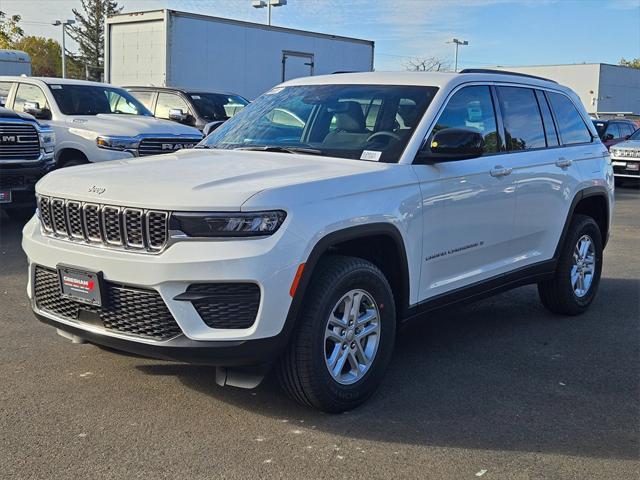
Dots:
pixel 302 370
pixel 558 294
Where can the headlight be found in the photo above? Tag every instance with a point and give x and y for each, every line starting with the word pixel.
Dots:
pixel 118 143
pixel 250 224
pixel 47 140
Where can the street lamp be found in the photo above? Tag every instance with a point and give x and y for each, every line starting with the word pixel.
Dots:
pixel 64 57
pixel 457 43
pixel 268 3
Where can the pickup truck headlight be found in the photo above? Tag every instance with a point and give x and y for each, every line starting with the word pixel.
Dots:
pixel 118 143
pixel 219 224
pixel 47 140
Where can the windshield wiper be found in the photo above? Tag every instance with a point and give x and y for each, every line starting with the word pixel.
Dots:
pixel 282 149
pixel 208 147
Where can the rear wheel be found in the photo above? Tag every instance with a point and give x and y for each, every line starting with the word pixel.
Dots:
pixel 575 282
pixel 344 336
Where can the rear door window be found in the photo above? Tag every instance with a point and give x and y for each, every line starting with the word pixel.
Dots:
pixel 547 120
pixel 570 123
pixel 145 97
pixel 521 116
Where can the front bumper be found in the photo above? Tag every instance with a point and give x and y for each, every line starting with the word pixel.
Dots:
pixel 21 180
pixel 182 349
pixel 270 263
pixel 626 167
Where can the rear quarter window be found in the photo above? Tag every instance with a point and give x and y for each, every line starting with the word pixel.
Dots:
pixel 572 128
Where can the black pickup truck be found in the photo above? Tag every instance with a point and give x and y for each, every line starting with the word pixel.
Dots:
pixel 26 155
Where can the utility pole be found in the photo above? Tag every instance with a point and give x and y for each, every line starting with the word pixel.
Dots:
pixel 268 4
pixel 457 44
pixel 64 56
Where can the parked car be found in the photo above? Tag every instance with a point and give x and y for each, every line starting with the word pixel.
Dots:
pixel 26 155
pixel 305 245
pixel 95 122
pixel 625 158
pixel 189 107
pixel 615 131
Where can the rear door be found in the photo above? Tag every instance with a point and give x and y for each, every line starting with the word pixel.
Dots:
pixel 468 204
pixel 546 177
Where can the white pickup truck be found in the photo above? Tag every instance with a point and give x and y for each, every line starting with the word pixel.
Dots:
pixel 94 122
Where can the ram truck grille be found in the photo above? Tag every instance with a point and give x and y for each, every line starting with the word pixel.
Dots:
pixel 157 146
pixel 106 225
pixel 19 142
pixel 129 310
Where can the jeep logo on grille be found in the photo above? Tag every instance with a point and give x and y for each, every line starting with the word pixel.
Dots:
pixel 177 146
pixel 12 139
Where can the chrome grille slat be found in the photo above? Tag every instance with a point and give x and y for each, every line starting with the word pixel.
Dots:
pixel 106 225
pixel 111 225
pixel 44 209
pixel 59 217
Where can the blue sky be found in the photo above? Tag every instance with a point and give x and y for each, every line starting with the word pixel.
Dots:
pixel 500 32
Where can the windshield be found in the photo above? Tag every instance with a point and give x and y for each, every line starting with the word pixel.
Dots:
pixel 601 127
pixel 636 135
pixel 95 99
pixel 217 106
pixel 367 122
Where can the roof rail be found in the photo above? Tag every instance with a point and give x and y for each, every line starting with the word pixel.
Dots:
pixel 505 72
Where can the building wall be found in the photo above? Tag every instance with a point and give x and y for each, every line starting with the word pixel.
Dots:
pixel 601 87
pixel 619 89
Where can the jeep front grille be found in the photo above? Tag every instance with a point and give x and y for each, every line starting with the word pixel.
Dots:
pixel 19 142
pixel 156 146
pixel 128 310
pixel 107 225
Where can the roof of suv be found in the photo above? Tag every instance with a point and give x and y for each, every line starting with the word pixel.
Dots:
pixel 434 79
pixel 54 81
pixel 176 89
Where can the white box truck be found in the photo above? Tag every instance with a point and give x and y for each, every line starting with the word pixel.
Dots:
pixel 191 51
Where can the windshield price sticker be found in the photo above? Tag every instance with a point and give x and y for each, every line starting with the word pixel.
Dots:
pixel 55 87
pixel 370 155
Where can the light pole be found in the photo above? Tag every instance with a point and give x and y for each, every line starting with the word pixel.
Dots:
pixel 269 4
pixel 457 43
pixel 64 57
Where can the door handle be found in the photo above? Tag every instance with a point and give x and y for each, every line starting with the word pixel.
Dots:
pixel 563 162
pixel 500 171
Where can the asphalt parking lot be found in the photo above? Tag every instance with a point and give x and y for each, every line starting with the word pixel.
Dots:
pixel 501 389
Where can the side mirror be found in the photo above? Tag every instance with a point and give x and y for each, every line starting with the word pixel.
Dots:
pixel 453 144
pixel 177 115
pixel 33 108
pixel 211 126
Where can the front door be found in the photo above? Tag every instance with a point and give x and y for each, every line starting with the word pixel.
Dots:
pixel 468 204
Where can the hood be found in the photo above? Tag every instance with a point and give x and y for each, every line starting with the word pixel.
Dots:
pixel 7 113
pixel 627 144
pixel 195 180
pixel 129 125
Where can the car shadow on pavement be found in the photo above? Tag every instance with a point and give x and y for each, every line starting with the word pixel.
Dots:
pixel 501 374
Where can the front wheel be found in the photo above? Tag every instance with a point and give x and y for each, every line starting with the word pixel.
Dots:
pixel 344 338
pixel 575 282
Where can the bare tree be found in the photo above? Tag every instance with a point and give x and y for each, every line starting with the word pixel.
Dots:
pixel 426 64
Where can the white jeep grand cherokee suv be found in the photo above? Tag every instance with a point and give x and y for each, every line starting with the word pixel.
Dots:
pixel 94 122
pixel 329 211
